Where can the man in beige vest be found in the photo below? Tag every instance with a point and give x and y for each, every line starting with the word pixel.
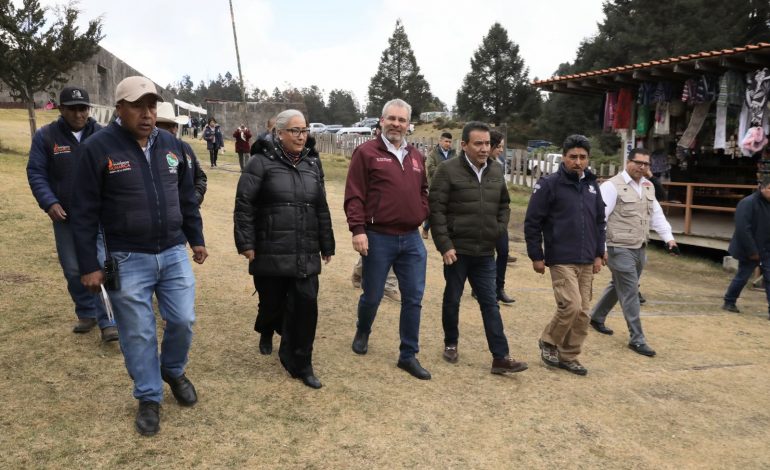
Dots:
pixel 631 210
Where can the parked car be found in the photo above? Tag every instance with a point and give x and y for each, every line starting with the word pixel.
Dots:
pixel 550 162
pixel 354 130
pixel 536 144
pixel 369 122
pixel 317 127
pixel 333 128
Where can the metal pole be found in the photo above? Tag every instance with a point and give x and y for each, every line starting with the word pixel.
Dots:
pixel 237 54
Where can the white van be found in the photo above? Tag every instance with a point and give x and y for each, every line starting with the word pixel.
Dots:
pixel 317 127
pixel 355 130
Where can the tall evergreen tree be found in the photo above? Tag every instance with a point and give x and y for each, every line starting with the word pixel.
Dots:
pixel 343 108
pixel 314 102
pixel 32 57
pixel 497 88
pixel 398 76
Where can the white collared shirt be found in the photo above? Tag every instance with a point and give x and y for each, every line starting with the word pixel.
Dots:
pixel 78 135
pixel 400 152
pixel 476 170
pixel 658 220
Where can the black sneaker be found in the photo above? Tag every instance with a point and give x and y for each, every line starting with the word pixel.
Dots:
pixel 730 307
pixel 182 389
pixel 148 418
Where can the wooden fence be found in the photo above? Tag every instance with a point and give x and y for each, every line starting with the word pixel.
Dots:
pixel 522 168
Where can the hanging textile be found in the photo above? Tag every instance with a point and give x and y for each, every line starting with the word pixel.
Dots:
pixel 663 92
pixel 697 119
pixel 624 109
pixel 757 89
pixel 744 123
pixel 731 89
pixel 721 127
pixel 662 119
pixel 610 106
pixel 642 120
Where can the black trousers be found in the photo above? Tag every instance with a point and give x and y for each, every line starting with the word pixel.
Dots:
pixel 289 307
pixel 213 156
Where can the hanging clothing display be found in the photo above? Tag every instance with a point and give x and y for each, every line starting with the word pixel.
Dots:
pixel 720 127
pixel 624 109
pixel 731 89
pixel 745 122
pixel 642 120
pixel 757 89
pixel 610 106
pixel 697 119
pixel 662 119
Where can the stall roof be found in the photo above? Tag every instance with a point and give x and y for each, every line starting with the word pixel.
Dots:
pixel 677 69
pixel 190 107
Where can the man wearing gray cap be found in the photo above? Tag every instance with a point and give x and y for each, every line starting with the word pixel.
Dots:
pixel 50 171
pixel 134 180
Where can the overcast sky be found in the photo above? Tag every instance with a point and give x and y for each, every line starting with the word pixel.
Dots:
pixel 333 43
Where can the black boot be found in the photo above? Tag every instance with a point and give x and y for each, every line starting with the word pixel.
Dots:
pixel 266 344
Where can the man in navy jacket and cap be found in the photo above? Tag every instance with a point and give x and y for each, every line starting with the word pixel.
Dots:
pixel 50 171
pixel 135 182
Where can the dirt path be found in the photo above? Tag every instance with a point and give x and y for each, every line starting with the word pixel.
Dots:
pixel 702 403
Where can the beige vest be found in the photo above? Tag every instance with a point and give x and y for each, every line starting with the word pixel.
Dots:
pixel 628 225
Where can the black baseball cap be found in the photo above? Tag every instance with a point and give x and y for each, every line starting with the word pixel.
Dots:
pixel 73 95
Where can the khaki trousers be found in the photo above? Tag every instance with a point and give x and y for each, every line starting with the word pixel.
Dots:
pixel 572 285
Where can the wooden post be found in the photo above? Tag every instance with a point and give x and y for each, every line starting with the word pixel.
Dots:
pixel 688 210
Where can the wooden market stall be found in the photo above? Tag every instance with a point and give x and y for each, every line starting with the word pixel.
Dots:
pixel 700 115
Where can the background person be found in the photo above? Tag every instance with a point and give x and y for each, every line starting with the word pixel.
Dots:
pixel 566 211
pixel 283 227
pixel 212 134
pixel 168 121
pixel 442 152
pixel 750 244
pixel 53 158
pixel 242 137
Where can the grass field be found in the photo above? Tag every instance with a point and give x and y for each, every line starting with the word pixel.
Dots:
pixel 66 399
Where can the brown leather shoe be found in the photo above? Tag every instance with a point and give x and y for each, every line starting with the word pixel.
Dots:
pixel 506 364
pixel 110 334
pixel 425 234
pixel 84 325
pixel 450 353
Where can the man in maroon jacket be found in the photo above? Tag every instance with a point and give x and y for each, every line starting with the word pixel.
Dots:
pixel 386 200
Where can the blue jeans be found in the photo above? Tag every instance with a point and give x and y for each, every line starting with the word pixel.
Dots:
pixel 501 247
pixel 169 276
pixel 87 305
pixel 745 270
pixel 480 272
pixel 407 255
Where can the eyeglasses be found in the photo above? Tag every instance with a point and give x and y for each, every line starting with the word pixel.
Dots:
pixel 296 131
pixel 641 164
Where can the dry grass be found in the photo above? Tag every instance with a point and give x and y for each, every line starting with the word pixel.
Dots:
pixel 66 399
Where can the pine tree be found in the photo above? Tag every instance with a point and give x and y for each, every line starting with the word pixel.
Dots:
pixel 343 108
pixel 398 76
pixel 497 88
pixel 33 58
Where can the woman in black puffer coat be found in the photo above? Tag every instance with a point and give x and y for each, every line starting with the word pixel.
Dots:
pixel 283 227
